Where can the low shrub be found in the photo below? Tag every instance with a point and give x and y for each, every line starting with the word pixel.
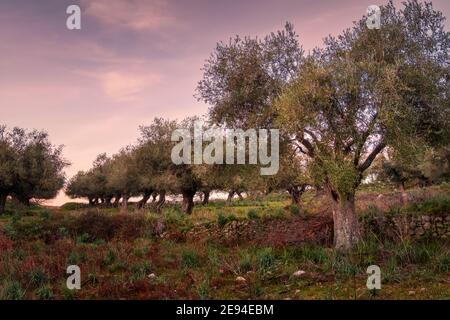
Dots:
pixel 203 290
pixel 221 220
pixel 38 276
pixel 245 262
pixel 252 214
pixel 189 259
pixel 11 290
pixel 266 260
pixel 313 254
pixel 44 293
pixel 294 209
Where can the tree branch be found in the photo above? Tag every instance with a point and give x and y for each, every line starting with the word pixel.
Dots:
pixel 366 164
pixel 363 139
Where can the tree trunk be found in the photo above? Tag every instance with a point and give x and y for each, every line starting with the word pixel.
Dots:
pixel 144 200
pixel 240 195
pixel 22 200
pixel 108 200
pixel 154 195
pixel 125 204
pixel 296 193
pixel 404 195
pixel 230 196
pixel 117 200
pixel 206 195
pixel 347 229
pixel 188 201
pixel 3 197
pixel 295 196
pixel 161 201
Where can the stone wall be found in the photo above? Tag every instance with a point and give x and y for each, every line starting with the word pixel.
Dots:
pixel 413 226
pixel 436 226
pixel 268 232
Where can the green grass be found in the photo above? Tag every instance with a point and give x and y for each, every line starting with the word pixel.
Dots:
pixel 189 259
pixel 435 205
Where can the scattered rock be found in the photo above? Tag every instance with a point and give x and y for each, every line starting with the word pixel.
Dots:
pixel 423 289
pixel 411 293
pixel 152 276
pixel 240 279
pixel 298 273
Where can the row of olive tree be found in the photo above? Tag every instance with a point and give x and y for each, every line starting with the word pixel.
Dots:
pixel 146 169
pixel 30 166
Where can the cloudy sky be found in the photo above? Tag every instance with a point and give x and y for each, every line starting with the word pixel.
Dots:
pixel 132 61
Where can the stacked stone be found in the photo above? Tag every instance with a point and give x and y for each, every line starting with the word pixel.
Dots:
pixel 436 226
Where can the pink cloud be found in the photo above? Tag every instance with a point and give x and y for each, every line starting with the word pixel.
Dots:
pixel 125 87
pixel 132 14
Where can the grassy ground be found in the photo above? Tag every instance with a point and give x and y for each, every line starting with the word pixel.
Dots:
pixel 124 256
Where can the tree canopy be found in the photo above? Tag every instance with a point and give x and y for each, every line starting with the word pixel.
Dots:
pixel 30 166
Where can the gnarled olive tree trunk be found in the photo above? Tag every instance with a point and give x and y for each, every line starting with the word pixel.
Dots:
pixel 108 200
pixel 206 195
pixel 296 193
pixel 125 199
pixel 161 201
pixel 117 200
pixel 21 199
pixel 230 196
pixel 144 199
pixel 347 229
pixel 188 201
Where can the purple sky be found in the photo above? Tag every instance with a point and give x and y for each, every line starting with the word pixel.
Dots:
pixel 132 61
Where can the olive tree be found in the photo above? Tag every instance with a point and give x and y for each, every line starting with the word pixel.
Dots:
pixel 365 90
pixel 30 166
pixel 241 78
pixel 153 160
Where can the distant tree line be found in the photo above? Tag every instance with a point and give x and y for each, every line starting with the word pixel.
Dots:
pixel 146 170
